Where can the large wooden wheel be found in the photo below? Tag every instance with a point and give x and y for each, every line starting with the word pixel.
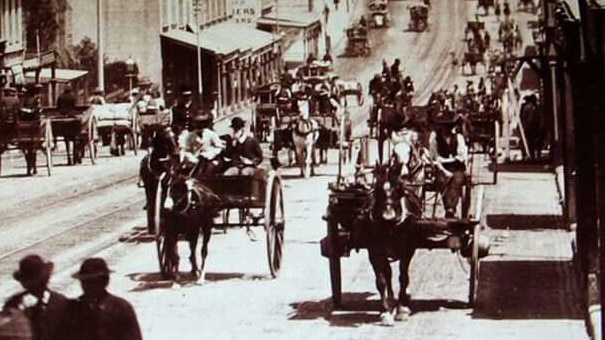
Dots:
pixel 48 137
pixel 167 267
pixel 274 224
pixel 334 260
pixel 474 258
pixel 92 130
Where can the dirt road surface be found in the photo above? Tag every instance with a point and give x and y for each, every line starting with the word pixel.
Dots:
pixel 526 289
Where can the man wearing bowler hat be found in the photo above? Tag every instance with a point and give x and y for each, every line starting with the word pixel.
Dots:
pixel 450 152
pixel 247 150
pixel 45 309
pixel 182 112
pixel 97 314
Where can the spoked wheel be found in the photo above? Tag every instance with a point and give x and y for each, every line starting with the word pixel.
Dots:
pixel 335 271
pixel 48 135
pixel 274 225
pixel 167 267
pixel 474 258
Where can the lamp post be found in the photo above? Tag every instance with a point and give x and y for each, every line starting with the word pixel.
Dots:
pixel 130 73
pixel 197 8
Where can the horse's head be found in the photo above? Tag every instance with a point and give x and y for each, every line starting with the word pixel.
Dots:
pixel 187 196
pixel 389 190
pixel 164 150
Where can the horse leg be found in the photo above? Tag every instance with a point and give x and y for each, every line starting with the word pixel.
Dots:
pixel 192 236
pixel 403 303
pixel 382 268
pixel 206 234
pixel 68 151
pixel 172 251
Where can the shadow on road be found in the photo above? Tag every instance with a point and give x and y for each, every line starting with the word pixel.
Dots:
pixel 152 281
pixel 357 310
pixel 525 222
pixel 527 290
pixel 419 306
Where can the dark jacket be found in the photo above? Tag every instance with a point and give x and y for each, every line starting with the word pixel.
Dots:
pixel 250 149
pixel 10 109
pixel 111 318
pixel 181 116
pixel 47 319
pixel 66 102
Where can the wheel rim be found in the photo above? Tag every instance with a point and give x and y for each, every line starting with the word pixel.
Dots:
pixel 166 266
pixel 275 225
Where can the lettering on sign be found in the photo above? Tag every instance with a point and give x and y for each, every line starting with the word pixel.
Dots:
pixel 246 11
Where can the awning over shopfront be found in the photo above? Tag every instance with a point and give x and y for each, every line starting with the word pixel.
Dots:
pixel 61 75
pixel 224 39
pixel 285 18
pixel 209 41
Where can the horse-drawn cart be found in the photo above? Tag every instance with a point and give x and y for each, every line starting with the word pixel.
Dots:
pixel 352 223
pixel 117 125
pixel 379 13
pixel 258 201
pixel 483 138
pixel 77 128
pixel 357 42
pixel 351 87
pixel 419 17
pixel 266 111
pixel 29 137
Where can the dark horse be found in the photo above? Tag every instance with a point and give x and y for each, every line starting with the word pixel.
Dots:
pixel 163 155
pixel 390 239
pixel 187 207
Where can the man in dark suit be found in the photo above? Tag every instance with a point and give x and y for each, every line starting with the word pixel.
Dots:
pixel 66 103
pixel 45 309
pixel 182 113
pixel 247 153
pixel 98 314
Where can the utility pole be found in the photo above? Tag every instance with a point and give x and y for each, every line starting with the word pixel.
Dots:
pixel 197 9
pixel 100 44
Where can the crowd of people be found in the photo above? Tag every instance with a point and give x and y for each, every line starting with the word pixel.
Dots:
pixel 40 313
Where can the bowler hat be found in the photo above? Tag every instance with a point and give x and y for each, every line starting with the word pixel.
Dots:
pixel 92 268
pixel 237 123
pixel 33 268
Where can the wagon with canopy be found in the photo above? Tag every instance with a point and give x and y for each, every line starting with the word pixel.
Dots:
pixel 379 13
pixel 116 125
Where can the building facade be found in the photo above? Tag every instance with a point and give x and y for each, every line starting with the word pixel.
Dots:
pixel 235 56
pixel 11 40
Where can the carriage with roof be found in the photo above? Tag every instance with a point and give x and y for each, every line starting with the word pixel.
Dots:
pixel 352 223
pixel 419 17
pixel 358 43
pixel 267 110
pixel 379 13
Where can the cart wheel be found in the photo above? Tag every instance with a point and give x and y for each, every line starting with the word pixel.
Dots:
pixel 335 271
pixel 47 148
pixel 360 97
pixel 133 139
pixel 91 141
pixel 474 274
pixel 275 225
pixel 167 267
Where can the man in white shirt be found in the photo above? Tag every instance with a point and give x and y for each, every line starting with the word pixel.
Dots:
pixel 203 145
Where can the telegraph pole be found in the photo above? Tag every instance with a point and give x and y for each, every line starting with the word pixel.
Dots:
pixel 197 9
pixel 100 46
